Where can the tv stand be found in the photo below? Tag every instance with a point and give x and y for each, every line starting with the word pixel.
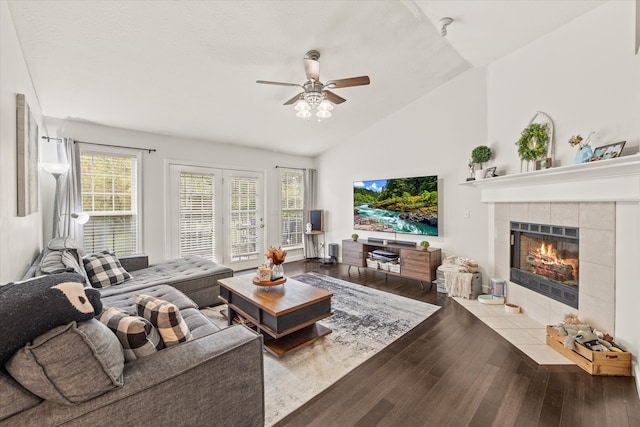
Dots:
pixel 415 263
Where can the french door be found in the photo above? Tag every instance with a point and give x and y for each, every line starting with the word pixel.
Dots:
pixel 217 214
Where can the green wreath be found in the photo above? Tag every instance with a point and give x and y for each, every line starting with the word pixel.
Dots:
pixel 528 151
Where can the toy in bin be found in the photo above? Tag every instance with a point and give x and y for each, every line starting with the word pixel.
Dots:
pixel 497 287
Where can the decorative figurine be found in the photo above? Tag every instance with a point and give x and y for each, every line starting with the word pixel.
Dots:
pixel 471 178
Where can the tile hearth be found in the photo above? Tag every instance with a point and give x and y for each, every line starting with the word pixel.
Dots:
pixel 520 330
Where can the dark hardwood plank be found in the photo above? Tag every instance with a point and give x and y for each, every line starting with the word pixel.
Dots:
pixel 376 414
pixel 533 399
pixel 453 370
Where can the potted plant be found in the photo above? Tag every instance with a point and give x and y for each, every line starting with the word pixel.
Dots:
pixel 354 236
pixel 424 245
pixel 481 154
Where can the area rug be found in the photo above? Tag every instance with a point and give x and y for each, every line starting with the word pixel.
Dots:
pixel 365 321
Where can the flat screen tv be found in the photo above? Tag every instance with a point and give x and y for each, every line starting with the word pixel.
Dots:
pixel 398 205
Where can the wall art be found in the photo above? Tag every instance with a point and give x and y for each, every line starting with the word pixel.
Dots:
pixel 27 155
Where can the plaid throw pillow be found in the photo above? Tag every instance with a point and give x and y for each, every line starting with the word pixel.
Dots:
pixel 138 337
pixel 164 316
pixel 103 270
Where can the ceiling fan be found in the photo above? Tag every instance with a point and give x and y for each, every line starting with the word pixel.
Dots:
pixel 315 94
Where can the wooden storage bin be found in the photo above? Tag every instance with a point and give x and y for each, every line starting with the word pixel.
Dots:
pixel 594 362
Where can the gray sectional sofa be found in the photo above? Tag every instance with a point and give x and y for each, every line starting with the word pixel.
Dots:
pixel 216 378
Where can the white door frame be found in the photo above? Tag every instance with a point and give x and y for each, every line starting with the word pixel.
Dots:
pixel 222 203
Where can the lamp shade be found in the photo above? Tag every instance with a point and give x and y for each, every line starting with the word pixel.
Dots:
pixel 301 105
pixel 55 168
pixel 81 217
pixel 325 105
pixel 323 114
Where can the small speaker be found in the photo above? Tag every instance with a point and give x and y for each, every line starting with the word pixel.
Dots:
pixel 316 219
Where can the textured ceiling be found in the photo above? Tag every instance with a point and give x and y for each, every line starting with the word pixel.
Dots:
pixel 188 68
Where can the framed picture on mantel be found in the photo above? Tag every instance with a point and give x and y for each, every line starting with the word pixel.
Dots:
pixel 543 163
pixel 609 151
pixel 490 172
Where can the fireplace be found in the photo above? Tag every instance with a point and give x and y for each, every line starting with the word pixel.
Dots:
pixel 545 259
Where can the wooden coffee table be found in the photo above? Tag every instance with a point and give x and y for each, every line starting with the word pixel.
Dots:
pixel 286 315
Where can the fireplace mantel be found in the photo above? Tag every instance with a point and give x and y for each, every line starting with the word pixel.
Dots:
pixel 613 180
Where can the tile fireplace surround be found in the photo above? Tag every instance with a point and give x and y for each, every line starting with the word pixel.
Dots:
pixel 603 200
pixel 596 295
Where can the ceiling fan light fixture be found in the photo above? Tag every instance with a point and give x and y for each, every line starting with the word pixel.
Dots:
pixel 301 105
pixel 314 98
pixel 325 105
pixel 323 114
pixel 303 114
pixel 315 94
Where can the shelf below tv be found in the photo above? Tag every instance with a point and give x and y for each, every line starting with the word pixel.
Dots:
pixel 415 263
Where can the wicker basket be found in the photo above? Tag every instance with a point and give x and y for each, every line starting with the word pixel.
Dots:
pixel 372 263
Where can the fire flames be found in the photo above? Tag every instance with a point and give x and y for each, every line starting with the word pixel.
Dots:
pixel 545 261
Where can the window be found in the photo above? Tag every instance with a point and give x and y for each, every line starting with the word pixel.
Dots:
pixel 291 207
pixel 245 215
pixel 110 197
pixel 197 215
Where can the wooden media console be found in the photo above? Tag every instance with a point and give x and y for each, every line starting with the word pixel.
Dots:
pixel 415 263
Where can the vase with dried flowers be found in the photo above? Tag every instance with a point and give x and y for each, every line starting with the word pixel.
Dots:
pixel 276 258
pixel 585 152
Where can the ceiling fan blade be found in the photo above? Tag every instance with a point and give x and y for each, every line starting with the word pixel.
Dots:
pixel 334 98
pixel 294 99
pixel 352 81
pixel 312 69
pixel 266 82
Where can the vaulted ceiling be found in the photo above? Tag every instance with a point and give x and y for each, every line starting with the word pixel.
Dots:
pixel 188 68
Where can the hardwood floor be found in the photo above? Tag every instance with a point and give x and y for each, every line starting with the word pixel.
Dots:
pixel 453 370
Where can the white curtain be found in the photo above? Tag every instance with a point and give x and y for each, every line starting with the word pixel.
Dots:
pixel 309 190
pixel 68 192
pixel 310 249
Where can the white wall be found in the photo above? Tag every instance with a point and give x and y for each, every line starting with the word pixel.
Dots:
pixel 585 75
pixel 432 136
pixel 20 237
pixel 154 169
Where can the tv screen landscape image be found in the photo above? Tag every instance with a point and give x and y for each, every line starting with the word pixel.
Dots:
pixel 398 205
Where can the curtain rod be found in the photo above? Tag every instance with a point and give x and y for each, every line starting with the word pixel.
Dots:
pixel 287 167
pixel 150 150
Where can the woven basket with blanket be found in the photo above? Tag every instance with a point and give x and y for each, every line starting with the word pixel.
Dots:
pixel 458 273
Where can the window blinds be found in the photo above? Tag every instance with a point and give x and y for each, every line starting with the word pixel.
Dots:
pixel 197 215
pixel 109 196
pixel 244 217
pixel 291 206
